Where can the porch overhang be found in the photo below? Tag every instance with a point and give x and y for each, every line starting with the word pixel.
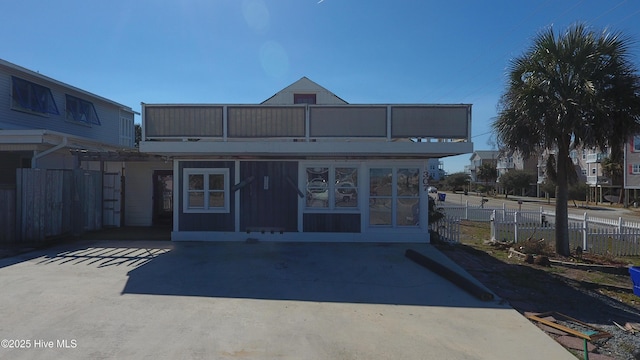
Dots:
pixel 325 149
pixel 37 139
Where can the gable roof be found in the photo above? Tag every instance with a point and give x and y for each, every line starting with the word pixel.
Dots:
pixel 485 154
pixel 305 85
pixel 17 68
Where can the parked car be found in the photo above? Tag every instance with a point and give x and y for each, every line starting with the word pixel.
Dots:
pixel 432 190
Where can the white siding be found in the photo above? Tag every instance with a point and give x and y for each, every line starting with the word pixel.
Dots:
pixel 304 86
pixel 108 113
pixel 127 129
pixel 138 202
pixel 56 160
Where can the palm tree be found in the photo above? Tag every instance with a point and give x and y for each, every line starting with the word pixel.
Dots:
pixel 580 88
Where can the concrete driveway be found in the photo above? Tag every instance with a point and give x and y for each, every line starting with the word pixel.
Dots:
pixel 160 300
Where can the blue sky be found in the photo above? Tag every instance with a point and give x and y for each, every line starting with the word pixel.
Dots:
pixel 244 51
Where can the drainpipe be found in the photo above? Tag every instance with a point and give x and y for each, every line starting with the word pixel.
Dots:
pixel 37 156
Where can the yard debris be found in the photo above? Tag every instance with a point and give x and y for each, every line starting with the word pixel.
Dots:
pixel 590 332
pixel 542 260
pixel 528 259
pixel 513 252
pixel 576 331
pixel 501 245
pixel 632 327
pixel 619 326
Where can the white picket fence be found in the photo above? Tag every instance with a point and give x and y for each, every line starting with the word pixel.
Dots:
pixel 615 237
pixel 448 229
pixel 479 213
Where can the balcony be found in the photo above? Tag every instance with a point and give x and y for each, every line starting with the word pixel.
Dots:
pixel 505 165
pixel 361 130
pixel 598 180
pixel 596 158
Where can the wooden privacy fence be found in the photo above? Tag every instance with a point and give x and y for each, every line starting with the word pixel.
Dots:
pixel 595 235
pixel 51 203
pixel 7 215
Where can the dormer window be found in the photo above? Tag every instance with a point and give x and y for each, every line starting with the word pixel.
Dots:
pixel 31 97
pixel 81 111
pixel 304 98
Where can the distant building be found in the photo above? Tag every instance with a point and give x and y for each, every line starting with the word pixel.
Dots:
pixel 632 170
pixel 435 168
pixel 588 166
pixel 477 159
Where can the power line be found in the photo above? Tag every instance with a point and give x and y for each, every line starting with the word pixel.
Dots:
pixel 488 132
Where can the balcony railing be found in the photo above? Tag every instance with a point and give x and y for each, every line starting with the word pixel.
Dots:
pixel 596 158
pixel 504 165
pixel 442 123
pixel 598 180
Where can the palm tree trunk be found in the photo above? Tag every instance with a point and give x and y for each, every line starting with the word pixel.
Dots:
pixel 562 200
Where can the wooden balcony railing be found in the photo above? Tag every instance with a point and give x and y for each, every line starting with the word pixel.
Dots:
pixel 165 122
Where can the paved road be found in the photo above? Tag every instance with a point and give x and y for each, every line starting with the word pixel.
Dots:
pixel 534 204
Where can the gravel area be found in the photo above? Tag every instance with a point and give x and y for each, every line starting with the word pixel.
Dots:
pixel 531 289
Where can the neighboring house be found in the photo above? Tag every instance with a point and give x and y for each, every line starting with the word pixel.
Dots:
pixel 632 170
pixel 478 158
pixel 42 119
pixel 47 124
pixel 304 165
pixel 588 167
pixel 515 161
pixel 435 168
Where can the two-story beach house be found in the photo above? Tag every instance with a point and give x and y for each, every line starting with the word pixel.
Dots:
pixel 50 126
pixel 304 165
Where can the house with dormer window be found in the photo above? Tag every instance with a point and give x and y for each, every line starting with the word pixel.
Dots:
pixel 303 165
pixel 46 124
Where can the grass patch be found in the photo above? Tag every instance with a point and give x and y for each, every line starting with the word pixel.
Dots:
pixel 475 236
pixel 475 232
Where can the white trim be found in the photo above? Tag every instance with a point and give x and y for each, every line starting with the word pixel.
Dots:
pixel 236 197
pixel 422 197
pixel 331 186
pixel 395 236
pixel 374 149
pixel 206 207
pixel 367 233
pixel 60 83
pixel 177 196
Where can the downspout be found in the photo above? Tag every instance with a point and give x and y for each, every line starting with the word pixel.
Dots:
pixel 37 156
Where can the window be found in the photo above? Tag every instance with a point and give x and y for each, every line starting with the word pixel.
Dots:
pixel 126 131
pixel 394 197
pixel 636 144
pixel 304 98
pixel 634 169
pixel 82 111
pixel 332 187
pixel 206 190
pixel 31 97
